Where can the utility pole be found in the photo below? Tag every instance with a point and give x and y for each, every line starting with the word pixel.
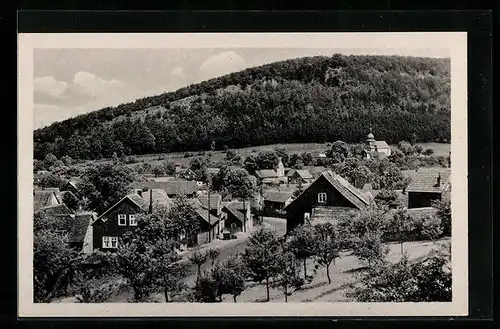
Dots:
pixel 209 223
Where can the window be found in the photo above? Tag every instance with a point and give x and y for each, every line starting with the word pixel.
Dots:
pixel 110 242
pixel 233 225
pixel 321 197
pixel 307 216
pixel 122 220
pixel 132 221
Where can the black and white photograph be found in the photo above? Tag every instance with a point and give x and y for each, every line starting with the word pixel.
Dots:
pixel 276 174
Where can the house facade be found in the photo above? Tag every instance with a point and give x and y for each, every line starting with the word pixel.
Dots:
pixel 275 201
pixel 209 225
pixel 328 195
pixel 123 217
pixel 427 186
pixel 299 176
pixel 237 217
pixel 174 187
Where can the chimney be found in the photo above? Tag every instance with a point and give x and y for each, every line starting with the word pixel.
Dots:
pixel 439 180
pixel 150 201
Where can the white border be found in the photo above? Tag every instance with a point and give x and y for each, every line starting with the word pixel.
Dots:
pixel 456 42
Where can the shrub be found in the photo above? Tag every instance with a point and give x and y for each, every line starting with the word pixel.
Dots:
pixel 428 152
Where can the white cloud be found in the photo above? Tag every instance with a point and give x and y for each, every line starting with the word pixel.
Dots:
pixel 49 85
pixel 221 64
pixel 90 84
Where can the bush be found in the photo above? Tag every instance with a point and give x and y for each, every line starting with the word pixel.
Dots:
pixel 428 152
pixel 188 154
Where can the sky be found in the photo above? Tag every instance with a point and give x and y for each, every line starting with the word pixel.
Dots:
pixel 71 81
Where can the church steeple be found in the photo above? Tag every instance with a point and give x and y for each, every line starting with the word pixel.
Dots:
pixel 370 140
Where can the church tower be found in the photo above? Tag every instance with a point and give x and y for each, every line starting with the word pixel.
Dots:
pixel 281 169
pixel 370 141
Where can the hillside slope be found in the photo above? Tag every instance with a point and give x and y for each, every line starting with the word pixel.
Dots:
pixel 311 99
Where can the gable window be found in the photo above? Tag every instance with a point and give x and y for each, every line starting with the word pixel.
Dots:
pixel 110 242
pixel 321 197
pixel 122 220
pixel 307 216
pixel 132 220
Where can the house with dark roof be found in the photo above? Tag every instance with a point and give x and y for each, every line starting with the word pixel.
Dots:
pixel 297 176
pixel 237 217
pixel 174 188
pixel 212 201
pixel 123 216
pixel 428 185
pixel 72 186
pixel 184 173
pixel 275 201
pixel 209 224
pixel 329 195
pixel 44 198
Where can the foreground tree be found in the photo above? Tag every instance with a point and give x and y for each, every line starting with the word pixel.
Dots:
pixel 261 256
pixel 230 276
pixel 287 277
pixel 327 247
pixel 198 257
pixel 213 254
pixel 303 244
pixel 183 218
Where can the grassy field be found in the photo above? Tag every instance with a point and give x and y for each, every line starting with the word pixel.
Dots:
pixel 179 157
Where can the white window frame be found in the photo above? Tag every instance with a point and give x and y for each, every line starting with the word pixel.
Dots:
pixel 124 217
pixel 233 225
pixel 322 197
pixel 114 242
pixel 307 216
pixel 132 220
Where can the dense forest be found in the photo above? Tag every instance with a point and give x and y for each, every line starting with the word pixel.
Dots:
pixel 311 99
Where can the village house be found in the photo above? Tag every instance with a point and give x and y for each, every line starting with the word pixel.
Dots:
pixel 272 176
pixel 428 185
pixel 77 226
pixel 45 198
pixel 237 217
pixel 297 176
pixel 375 147
pixel 174 188
pixel 209 225
pixel 72 186
pixel 184 173
pixel 123 216
pixel 328 195
pixel 276 201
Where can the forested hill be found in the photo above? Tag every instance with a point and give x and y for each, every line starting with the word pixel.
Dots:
pixel 311 99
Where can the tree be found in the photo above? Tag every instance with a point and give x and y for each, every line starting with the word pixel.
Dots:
pixel 238 184
pixel 199 166
pixel 428 280
pixel 104 185
pixel 67 160
pixel 51 180
pixel 261 256
pixel 299 190
pixel 303 245
pixel 55 263
pixel 287 277
pixel 428 152
pixel 339 151
pixel 95 290
pixel 70 200
pixel 169 167
pixel 230 276
pixel 206 288
pixel 171 279
pixel 387 199
pixel 158 170
pixel 213 254
pixel 444 214
pixel 50 160
pixel 230 154
pixel 185 221
pixel 406 148
pixel 198 258
pixel 327 246
pixel 431 227
pixel 145 254
pixel 369 249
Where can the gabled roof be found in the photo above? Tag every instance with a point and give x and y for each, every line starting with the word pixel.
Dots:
pixel 237 209
pixel 381 145
pixel 159 197
pixel 42 198
pixel 172 187
pixel 79 227
pixel 277 196
pixel 215 200
pixel 355 196
pixel 56 210
pixel 425 180
pixel 202 213
pixel 303 173
pixel 266 173
pixel 134 198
